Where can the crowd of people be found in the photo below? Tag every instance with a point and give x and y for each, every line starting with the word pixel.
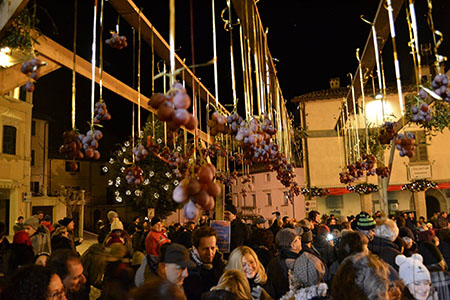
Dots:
pixel 319 257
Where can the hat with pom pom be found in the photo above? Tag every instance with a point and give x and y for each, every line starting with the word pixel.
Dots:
pixel 411 269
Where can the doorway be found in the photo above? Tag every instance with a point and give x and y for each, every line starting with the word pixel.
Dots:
pixel 433 206
pixel 47 210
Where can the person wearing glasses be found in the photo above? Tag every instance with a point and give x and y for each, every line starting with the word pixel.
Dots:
pixel 34 282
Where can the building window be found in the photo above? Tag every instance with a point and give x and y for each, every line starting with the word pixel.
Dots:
pixel 9 139
pixel 23 93
pixel 253 179
pixel 68 167
pixel 267 177
pixel 334 202
pixel 254 200
pixel 32 157
pixel 285 198
pixel 33 128
pixel 421 152
pixel 35 187
pixel 269 199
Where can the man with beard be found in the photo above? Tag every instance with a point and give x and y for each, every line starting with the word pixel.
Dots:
pixel 209 263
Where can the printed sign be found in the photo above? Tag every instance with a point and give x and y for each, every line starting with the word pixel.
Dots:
pixel 420 172
pixel 223 232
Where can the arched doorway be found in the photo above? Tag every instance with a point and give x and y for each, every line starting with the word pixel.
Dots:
pixel 433 206
pixel 433 195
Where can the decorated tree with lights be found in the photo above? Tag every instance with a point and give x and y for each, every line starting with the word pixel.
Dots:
pixel 158 177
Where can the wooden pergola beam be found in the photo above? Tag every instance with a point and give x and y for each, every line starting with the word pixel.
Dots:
pixel 12 77
pixel 132 14
pixel 53 52
pixel 8 10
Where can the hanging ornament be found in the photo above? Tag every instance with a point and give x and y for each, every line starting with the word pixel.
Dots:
pixel 119 199
pixel 111 161
pixel 105 169
pixel 110 182
pixel 128 192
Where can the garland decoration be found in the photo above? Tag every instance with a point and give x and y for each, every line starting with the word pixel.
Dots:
pixel 315 191
pixel 363 188
pixel 419 185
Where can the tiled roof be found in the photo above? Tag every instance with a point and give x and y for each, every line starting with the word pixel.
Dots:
pixel 342 92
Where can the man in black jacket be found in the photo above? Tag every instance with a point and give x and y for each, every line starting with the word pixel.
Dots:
pixel 240 233
pixel 209 263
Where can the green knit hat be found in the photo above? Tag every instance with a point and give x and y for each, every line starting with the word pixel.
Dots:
pixel 364 221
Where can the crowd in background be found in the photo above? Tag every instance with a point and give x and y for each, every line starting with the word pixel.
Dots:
pixel 320 257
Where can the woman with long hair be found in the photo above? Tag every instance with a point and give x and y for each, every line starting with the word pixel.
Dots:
pixel 244 259
pixel 235 282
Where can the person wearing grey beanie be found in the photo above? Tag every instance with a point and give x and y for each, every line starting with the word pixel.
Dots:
pixel 289 244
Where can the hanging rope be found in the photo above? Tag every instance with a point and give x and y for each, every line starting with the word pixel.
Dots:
pixel 74 74
pixel 216 80
pixel 139 76
pixel 101 53
pixel 172 41
pixel 396 62
pixel 414 43
pixel 363 99
pixel 94 44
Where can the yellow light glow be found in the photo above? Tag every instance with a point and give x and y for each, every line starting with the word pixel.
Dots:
pixel 5 60
pixel 374 111
pixel 5 50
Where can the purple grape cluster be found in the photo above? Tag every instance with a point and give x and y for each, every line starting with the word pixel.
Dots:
pixel 134 175
pixel 440 86
pixel 406 144
pixel 139 152
pixel 90 143
pixel 421 113
pixel 101 112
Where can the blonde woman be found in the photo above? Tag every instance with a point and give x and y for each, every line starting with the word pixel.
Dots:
pixel 244 259
pixel 235 282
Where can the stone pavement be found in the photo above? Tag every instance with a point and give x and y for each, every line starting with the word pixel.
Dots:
pixel 89 238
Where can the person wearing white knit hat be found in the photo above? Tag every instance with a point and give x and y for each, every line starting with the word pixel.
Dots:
pixel 415 276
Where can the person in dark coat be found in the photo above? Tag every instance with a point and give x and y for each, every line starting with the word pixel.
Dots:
pixel 183 235
pixel 132 227
pixel 276 224
pixel 442 221
pixel 324 245
pixel 289 244
pixel 239 231
pixel 383 243
pixel 408 238
pixel 261 241
pixel 60 239
pixel 444 245
pixel 209 263
pixel 106 229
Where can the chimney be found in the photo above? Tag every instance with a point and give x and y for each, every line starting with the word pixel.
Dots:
pixel 335 83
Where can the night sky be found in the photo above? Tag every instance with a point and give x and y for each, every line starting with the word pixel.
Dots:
pixel 312 41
